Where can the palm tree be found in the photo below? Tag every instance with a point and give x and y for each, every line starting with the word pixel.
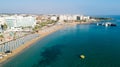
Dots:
pixel 4 27
pixel 1 37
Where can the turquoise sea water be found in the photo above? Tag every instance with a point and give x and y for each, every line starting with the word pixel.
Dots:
pixel 100 45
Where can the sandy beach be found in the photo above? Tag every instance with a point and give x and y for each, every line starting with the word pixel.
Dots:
pixel 43 33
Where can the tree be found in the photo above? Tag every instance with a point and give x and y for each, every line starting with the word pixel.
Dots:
pixel 4 27
pixel 36 28
pixel 1 36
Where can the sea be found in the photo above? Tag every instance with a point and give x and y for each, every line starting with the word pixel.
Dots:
pixel 99 44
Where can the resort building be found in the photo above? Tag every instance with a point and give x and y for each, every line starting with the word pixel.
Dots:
pixel 54 18
pixel 10 21
pixel 20 21
pixel 84 17
pixel 63 18
pixel 69 17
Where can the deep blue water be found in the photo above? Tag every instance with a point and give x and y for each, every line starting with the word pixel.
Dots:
pixel 100 45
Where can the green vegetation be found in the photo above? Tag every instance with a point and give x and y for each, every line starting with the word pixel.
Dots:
pixel 1 36
pixel 42 24
pixel 81 21
pixel 65 20
pixel 36 28
pixel 4 27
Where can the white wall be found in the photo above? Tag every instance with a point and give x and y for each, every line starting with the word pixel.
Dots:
pixel 17 21
pixel 54 18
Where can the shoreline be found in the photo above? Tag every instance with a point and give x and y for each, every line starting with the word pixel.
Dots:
pixel 42 33
pixel 31 42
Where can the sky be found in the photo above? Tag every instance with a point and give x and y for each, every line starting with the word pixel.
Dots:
pixel 87 7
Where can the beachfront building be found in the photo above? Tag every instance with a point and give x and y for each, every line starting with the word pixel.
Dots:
pixel 54 18
pixel 16 22
pixel 10 21
pixel 84 17
pixel 69 17
pixel 63 18
pixel 76 17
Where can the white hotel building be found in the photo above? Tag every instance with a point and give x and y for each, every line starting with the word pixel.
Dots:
pixel 71 17
pixel 20 21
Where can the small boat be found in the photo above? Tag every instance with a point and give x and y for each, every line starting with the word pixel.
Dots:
pixel 109 24
pixel 106 24
pixel 100 24
pixel 113 25
pixel 82 56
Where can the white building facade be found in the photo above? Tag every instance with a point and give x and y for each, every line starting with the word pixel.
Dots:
pixel 69 17
pixel 20 21
pixel 54 18
pixel 85 17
